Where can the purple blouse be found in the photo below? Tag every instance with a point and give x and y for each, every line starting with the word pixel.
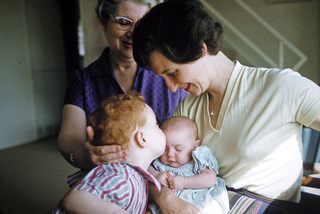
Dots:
pixel 88 87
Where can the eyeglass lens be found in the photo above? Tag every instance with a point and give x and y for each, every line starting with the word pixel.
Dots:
pixel 124 23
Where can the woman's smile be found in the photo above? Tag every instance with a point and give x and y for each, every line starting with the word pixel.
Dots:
pixel 127 44
pixel 187 87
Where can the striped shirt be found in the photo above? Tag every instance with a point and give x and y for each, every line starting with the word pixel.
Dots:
pixel 125 185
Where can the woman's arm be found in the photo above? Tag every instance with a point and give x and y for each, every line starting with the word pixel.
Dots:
pixel 206 178
pixel 85 202
pixel 169 203
pixel 74 140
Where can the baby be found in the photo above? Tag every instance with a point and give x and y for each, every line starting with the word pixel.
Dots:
pixel 189 169
pixel 120 188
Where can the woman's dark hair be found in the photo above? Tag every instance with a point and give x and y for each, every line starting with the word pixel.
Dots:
pixel 178 29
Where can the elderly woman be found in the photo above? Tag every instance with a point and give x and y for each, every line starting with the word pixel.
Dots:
pixel 250 118
pixel 115 72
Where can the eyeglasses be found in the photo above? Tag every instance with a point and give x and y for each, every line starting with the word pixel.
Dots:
pixel 123 23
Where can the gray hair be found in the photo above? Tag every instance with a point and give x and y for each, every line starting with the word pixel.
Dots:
pixel 106 7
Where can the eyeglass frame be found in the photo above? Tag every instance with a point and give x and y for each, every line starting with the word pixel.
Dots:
pixel 122 27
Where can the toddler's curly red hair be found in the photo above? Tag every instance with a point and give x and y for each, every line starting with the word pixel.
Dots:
pixel 116 119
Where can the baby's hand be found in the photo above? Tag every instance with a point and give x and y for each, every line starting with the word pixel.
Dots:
pixel 175 182
pixel 162 178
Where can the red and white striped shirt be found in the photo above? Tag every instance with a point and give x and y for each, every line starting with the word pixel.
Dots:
pixel 123 184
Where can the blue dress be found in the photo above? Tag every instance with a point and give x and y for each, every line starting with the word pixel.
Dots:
pixel 209 200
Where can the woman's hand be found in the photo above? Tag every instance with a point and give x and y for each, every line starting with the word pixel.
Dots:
pixel 170 204
pixel 75 138
pixel 90 156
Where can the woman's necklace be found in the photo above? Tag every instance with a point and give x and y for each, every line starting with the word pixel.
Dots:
pixel 215 107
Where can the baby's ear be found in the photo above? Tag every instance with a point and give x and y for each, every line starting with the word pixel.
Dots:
pixel 139 137
pixel 196 144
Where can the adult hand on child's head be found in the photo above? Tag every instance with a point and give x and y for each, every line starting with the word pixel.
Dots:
pixel 93 156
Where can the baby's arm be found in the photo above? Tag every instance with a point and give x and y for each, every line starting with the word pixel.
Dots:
pixel 206 178
pixel 84 202
pixel 160 176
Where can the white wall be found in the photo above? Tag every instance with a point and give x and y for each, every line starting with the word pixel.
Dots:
pixel 298 22
pixel 94 38
pixel 32 71
pixel 16 93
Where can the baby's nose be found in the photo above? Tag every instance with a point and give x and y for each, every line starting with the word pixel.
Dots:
pixel 171 158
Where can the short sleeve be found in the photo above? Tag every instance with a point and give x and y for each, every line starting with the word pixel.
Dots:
pixel 106 183
pixel 203 157
pixel 74 92
pixel 309 105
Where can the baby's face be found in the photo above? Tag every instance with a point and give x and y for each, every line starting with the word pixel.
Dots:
pixel 179 148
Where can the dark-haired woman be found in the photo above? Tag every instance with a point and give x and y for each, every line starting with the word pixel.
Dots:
pixel 250 118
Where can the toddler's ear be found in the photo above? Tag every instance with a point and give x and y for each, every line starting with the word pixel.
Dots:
pixel 196 144
pixel 139 137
